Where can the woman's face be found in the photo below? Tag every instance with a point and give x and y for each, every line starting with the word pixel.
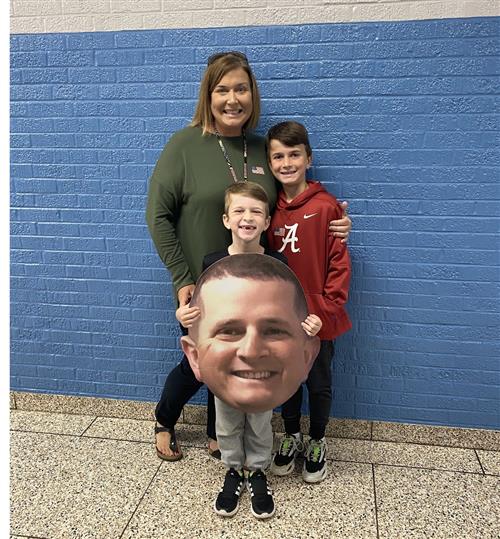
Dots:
pixel 231 102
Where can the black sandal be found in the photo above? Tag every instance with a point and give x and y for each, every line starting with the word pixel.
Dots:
pixel 214 453
pixel 173 444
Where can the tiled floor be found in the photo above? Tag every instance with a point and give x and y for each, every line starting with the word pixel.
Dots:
pixel 82 476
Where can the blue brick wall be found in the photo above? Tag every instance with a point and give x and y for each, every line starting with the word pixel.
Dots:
pixel 403 123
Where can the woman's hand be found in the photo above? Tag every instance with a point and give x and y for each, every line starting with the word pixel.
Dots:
pixel 341 227
pixel 185 294
pixel 187 316
pixel 312 324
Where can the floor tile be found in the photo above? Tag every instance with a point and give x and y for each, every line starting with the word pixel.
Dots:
pixel 413 455
pixel 22 420
pixel 74 487
pixel 418 504
pixel 436 435
pixel 85 405
pixel 342 506
pixel 490 461
pixel 336 428
pixel 113 428
pixel 349 428
pixel 194 414
pixel 143 431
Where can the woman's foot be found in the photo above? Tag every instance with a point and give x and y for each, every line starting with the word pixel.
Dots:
pixel 166 443
pixel 213 449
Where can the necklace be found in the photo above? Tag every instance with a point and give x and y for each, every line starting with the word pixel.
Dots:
pixel 226 157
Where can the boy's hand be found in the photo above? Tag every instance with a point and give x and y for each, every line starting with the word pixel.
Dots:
pixel 312 324
pixel 185 294
pixel 187 315
pixel 341 227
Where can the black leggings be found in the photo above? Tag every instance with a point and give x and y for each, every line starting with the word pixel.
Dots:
pixel 319 386
pixel 180 385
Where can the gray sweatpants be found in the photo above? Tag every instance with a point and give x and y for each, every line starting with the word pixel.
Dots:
pixel 244 439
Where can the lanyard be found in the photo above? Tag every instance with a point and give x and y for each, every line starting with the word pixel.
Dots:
pixel 230 166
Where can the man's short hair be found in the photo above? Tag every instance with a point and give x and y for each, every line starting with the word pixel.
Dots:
pixel 289 133
pixel 247 189
pixel 255 267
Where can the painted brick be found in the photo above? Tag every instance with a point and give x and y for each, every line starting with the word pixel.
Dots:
pixel 70 58
pixel 173 55
pixel 135 40
pixel 37 42
pixel 92 40
pixel 47 75
pixel 121 125
pixel 140 74
pixel 403 125
pixel 90 75
pixel 117 57
pixel 16 76
pixel 33 59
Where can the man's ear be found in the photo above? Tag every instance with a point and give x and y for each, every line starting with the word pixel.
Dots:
pixel 191 351
pixel 311 351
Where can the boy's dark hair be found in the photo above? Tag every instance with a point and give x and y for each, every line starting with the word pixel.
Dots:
pixel 290 134
pixel 248 189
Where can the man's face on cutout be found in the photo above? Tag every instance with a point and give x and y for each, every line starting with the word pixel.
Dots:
pixel 249 347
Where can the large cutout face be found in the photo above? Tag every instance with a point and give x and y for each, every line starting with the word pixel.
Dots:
pixel 249 346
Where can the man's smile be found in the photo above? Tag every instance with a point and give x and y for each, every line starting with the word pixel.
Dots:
pixel 254 375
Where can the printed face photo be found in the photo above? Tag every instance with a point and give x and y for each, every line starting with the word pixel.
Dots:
pixel 249 346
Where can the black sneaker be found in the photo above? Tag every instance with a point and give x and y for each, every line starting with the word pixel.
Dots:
pixel 283 462
pixel 314 469
pixel 262 495
pixel 227 502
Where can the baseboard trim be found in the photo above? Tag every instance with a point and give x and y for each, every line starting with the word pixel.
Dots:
pixel 358 429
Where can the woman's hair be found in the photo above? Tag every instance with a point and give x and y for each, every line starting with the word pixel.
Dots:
pixel 218 66
pixel 247 189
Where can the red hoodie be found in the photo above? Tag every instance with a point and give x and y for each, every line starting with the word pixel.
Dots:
pixel 299 230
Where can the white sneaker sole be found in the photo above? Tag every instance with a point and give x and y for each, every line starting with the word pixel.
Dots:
pixel 283 470
pixel 262 515
pixel 315 477
pixel 225 514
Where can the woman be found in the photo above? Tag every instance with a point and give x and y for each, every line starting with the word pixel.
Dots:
pixel 185 204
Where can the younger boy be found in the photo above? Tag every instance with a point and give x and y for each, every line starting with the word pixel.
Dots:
pixel 248 346
pixel 322 265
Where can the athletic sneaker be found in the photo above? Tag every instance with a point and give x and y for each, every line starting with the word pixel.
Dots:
pixel 227 502
pixel 314 469
pixel 284 461
pixel 262 495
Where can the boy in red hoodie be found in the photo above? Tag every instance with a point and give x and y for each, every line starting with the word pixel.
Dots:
pixel 322 265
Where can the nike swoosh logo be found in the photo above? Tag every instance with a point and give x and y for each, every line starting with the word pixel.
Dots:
pixel 309 216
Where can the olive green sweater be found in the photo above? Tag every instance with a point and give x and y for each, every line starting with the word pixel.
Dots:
pixel 186 197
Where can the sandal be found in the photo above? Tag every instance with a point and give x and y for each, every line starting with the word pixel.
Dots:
pixel 214 453
pixel 173 444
